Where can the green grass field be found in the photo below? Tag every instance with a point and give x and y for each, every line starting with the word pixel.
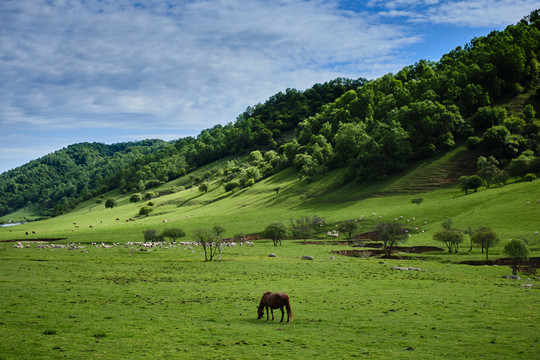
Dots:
pixel 119 303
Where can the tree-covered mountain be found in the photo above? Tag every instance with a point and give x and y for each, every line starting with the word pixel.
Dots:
pixel 374 128
pixel 57 182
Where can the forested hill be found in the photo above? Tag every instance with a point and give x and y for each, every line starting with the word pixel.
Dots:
pixel 59 180
pixel 373 128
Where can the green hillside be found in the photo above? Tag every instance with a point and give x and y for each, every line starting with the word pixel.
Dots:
pixel 250 210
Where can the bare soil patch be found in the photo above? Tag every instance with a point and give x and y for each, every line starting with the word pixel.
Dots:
pixel 529 267
pixel 34 240
pixel 377 252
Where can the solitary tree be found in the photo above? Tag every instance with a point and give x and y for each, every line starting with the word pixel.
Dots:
pixel 151 235
pixel 486 238
pixel 203 187
pixel 302 228
pixel 348 227
pixel 417 201
pixel 211 242
pixel 173 233
pixel 110 203
pixel 450 237
pixel 487 169
pixel 518 251
pixel 391 234
pixel 276 232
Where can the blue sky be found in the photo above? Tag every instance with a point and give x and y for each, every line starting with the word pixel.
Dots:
pixel 114 71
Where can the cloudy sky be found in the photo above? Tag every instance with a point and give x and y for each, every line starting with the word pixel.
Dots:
pixel 113 71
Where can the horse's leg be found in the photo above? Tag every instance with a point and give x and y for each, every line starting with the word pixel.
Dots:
pixel 282 313
pixel 267 315
pixel 272 311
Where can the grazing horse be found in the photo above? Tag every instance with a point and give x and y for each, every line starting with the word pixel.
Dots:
pixel 274 301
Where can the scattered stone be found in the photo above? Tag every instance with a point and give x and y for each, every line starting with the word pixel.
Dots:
pixel 307 257
pixel 406 268
pixel 271 255
pixel 527 285
pixel 332 257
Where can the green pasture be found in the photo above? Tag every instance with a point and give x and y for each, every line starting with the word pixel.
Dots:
pixel 119 303
pixel 123 303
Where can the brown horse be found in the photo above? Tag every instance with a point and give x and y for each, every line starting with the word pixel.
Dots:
pixel 274 301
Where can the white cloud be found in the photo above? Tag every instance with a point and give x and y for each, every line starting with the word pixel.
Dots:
pixel 199 62
pixel 481 13
pixel 472 13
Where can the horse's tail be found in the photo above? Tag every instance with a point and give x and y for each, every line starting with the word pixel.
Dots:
pixel 288 306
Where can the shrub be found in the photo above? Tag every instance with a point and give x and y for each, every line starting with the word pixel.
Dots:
pixel 417 201
pixel 110 203
pixel 135 198
pixel 230 186
pixel 149 195
pixel 145 210
pixel 467 183
pixel 529 177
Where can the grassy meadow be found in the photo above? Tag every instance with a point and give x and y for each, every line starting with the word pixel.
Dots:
pixel 119 302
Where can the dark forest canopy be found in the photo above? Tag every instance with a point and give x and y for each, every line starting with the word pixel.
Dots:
pixel 373 128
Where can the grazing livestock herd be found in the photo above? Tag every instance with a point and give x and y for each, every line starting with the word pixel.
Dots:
pixel 129 244
pixel 166 245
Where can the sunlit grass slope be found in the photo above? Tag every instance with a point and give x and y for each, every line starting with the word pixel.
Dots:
pixel 511 210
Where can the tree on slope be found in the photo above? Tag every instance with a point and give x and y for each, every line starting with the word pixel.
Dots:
pixel 173 233
pixel 110 203
pixel 348 227
pixel 518 251
pixel 211 241
pixel 391 234
pixel 276 232
pixel 486 238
